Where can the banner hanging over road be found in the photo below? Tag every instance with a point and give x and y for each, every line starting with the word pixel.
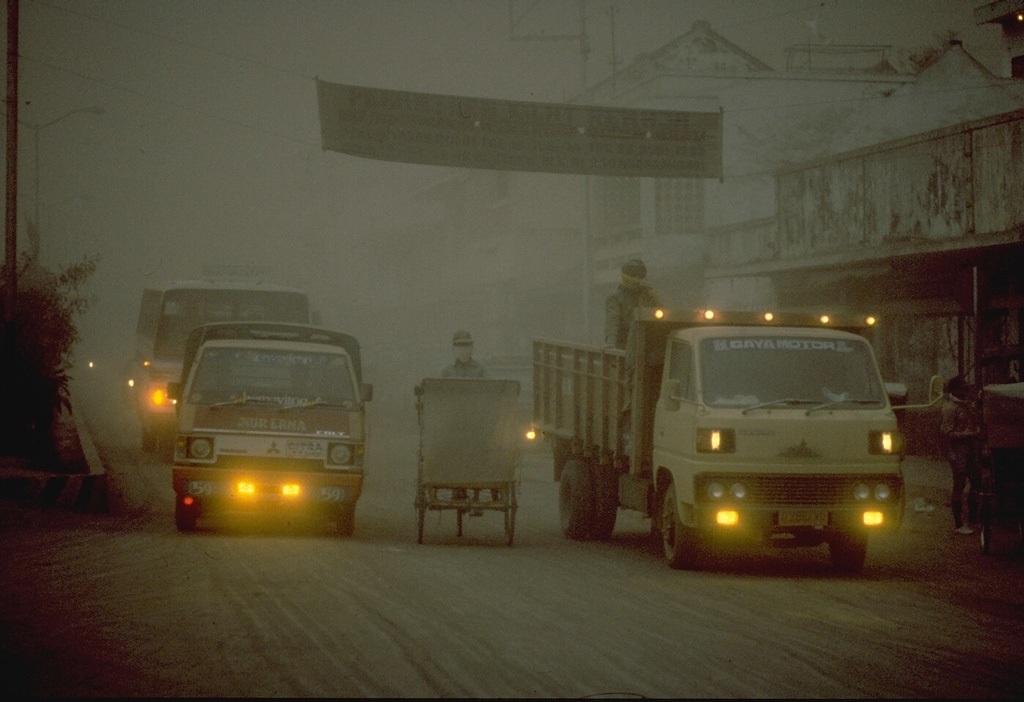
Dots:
pixel 462 132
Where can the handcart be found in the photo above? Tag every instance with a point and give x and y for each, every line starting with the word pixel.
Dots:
pixel 1001 499
pixel 469 449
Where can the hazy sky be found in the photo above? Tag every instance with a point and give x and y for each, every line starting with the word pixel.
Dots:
pixel 208 147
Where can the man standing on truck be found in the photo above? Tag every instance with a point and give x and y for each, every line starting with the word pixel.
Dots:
pixel 961 426
pixel 633 292
pixel 463 366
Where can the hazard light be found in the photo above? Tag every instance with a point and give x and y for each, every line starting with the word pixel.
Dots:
pixel 873 518
pixel 727 517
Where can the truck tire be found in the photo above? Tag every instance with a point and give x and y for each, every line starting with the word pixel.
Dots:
pixel 346 521
pixel 561 452
pixel 575 501
pixel 848 552
pixel 682 544
pixel 184 518
pixel 149 440
pixel 605 485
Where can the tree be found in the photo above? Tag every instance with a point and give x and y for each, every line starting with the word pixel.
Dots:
pixel 37 384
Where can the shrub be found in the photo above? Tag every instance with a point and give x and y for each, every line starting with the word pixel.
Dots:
pixel 37 380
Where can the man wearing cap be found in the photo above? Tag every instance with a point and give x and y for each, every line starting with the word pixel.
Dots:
pixel 633 292
pixel 464 366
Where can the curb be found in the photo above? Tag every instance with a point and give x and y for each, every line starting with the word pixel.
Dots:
pixel 80 487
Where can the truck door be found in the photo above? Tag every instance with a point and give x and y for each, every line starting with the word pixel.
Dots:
pixel 675 414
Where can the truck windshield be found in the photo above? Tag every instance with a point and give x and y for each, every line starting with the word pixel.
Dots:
pixel 184 309
pixel 789 371
pixel 287 378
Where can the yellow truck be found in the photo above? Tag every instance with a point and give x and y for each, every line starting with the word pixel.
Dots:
pixel 271 419
pixel 723 426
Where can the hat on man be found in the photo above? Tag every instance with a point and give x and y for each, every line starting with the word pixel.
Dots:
pixel 634 268
pixel 462 338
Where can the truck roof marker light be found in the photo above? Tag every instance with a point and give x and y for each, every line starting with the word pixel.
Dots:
pixel 659 313
pixel 768 316
pixel 709 314
pixel 291 490
pixel 146 363
pixel 870 321
pixel 825 319
pixel 246 488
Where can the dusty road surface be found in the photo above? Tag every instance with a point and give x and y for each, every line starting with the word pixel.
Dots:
pixel 122 604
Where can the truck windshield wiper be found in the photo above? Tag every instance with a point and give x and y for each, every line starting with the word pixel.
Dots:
pixel 318 403
pixel 240 400
pixel 854 400
pixel 780 401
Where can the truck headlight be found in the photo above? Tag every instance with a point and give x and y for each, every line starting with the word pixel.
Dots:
pixel 199 448
pixel 339 454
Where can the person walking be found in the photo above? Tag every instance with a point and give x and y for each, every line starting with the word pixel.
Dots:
pixel 961 425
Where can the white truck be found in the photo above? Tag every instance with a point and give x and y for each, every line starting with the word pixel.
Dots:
pixel 271 418
pixel 769 427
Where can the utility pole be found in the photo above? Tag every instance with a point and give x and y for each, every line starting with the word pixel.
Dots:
pixel 11 259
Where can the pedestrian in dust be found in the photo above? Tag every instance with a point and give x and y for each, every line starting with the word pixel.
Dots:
pixel 961 425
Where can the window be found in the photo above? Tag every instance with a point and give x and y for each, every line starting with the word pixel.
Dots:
pixel 681 369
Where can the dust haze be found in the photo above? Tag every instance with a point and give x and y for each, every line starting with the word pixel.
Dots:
pixel 175 135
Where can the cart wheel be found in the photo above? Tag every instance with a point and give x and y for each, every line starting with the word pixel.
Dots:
pixel 510 525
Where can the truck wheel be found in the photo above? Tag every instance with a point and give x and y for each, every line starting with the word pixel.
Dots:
pixel 848 552
pixel 680 542
pixel 346 522
pixel 149 441
pixel 184 518
pixel 561 452
pixel 606 502
pixel 575 505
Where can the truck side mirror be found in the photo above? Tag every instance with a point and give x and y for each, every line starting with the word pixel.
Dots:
pixel 897 393
pixel 366 392
pixel 174 390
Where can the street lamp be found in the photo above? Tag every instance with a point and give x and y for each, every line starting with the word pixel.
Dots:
pixel 36 128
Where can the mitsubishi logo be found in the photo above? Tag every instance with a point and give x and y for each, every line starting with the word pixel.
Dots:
pixel 273 448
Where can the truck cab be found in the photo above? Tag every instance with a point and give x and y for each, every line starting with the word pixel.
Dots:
pixel 271 417
pixel 774 428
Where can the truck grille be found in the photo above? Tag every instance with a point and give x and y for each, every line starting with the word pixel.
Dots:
pixel 798 489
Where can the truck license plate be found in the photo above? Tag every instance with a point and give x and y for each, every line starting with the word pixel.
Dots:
pixel 803 518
